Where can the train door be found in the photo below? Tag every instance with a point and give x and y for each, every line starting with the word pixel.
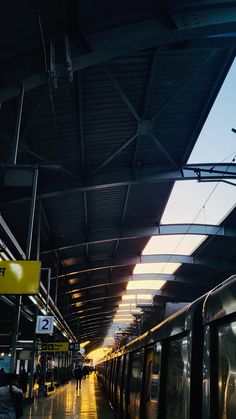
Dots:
pixel 117 383
pixel 108 374
pixel 135 385
pixel 105 374
pixel 125 388
pixel 113 380
pixel 151 382
pixel 121 381
pixel 110 379
pixel 147 368
pixel 177 389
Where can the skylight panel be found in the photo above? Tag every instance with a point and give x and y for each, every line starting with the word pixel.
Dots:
pixel 179 244
pixel 152 268
pixel 123 320
pixel 199 209
pixel 216 141
pixel 145 285
pixel 137 297
pixel 127 310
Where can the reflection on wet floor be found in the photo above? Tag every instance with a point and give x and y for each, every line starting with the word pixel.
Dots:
pixel 67 402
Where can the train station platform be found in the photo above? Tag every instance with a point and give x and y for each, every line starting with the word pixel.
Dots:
pixel 67 402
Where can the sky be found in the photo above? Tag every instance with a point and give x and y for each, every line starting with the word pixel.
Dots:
pixel 210 202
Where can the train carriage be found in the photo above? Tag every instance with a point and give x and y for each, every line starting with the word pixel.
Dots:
pixel 183 368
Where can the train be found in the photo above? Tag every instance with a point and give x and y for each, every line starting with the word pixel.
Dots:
pixel 183 368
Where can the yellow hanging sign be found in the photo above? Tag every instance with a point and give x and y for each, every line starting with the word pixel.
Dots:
pixel 55 347
pixel 19 277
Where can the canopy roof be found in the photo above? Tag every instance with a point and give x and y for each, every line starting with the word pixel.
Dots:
pixel 114 96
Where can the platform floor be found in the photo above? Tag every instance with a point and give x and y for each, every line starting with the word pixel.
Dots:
pixel 67 402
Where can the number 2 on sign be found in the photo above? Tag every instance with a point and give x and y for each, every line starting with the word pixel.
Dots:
pixel 46 324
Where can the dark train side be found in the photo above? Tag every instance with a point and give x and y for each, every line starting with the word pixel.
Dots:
pixel 183 368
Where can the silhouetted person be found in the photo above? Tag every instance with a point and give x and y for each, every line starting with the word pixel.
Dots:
pixel 78 376
pixel 11 398
pixel 23 377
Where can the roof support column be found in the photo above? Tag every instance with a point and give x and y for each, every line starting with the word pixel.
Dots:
pixel 28 253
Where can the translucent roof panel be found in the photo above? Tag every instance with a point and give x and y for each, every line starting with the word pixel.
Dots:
pixel 137 297
pixel 123 310
pixel 216 142
pixel 209 203
pixel 155 268
pixel 179 244
pixel 145 285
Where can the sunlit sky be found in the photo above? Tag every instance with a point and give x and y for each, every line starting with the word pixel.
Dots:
pixel 192 201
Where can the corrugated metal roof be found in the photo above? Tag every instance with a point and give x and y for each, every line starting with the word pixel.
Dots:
pixel 107 129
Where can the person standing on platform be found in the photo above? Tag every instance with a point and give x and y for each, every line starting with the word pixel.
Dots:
pixel 11 399
pixel 23 378
pixel 78 376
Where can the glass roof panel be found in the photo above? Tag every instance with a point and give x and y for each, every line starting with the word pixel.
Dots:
pixel 145 285
pixel 179 244
pixel 152 268
pixel 137 297
pixel 199 209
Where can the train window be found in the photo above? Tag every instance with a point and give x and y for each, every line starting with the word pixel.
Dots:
pixel 136 382
pixel 177 389
pixel 227 371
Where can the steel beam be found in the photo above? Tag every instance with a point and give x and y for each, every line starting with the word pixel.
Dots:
pixel 108 297
pixel 98 313
pixel 137 176
pixel 123 216
pixel 159 258
pixel 68 59
pixel 86 219
pixel 151 77
pixel 163 150
pixel 96 326
pixel 78 312
pixel 122 95
pixel 80 119
pixel 92 322
pixel 113 155
pixel 135 292
pixel 110 235
pixel 7 234
pixel 120 42
pixel 180 279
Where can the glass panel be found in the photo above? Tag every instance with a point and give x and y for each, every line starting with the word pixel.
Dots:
pixel 119 376
pixel 154 383
pixel 125 392
pixel 227 371
pixel 177 386
pixel 136 382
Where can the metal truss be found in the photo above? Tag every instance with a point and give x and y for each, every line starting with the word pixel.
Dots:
pixel 110 235
pixel 126 40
